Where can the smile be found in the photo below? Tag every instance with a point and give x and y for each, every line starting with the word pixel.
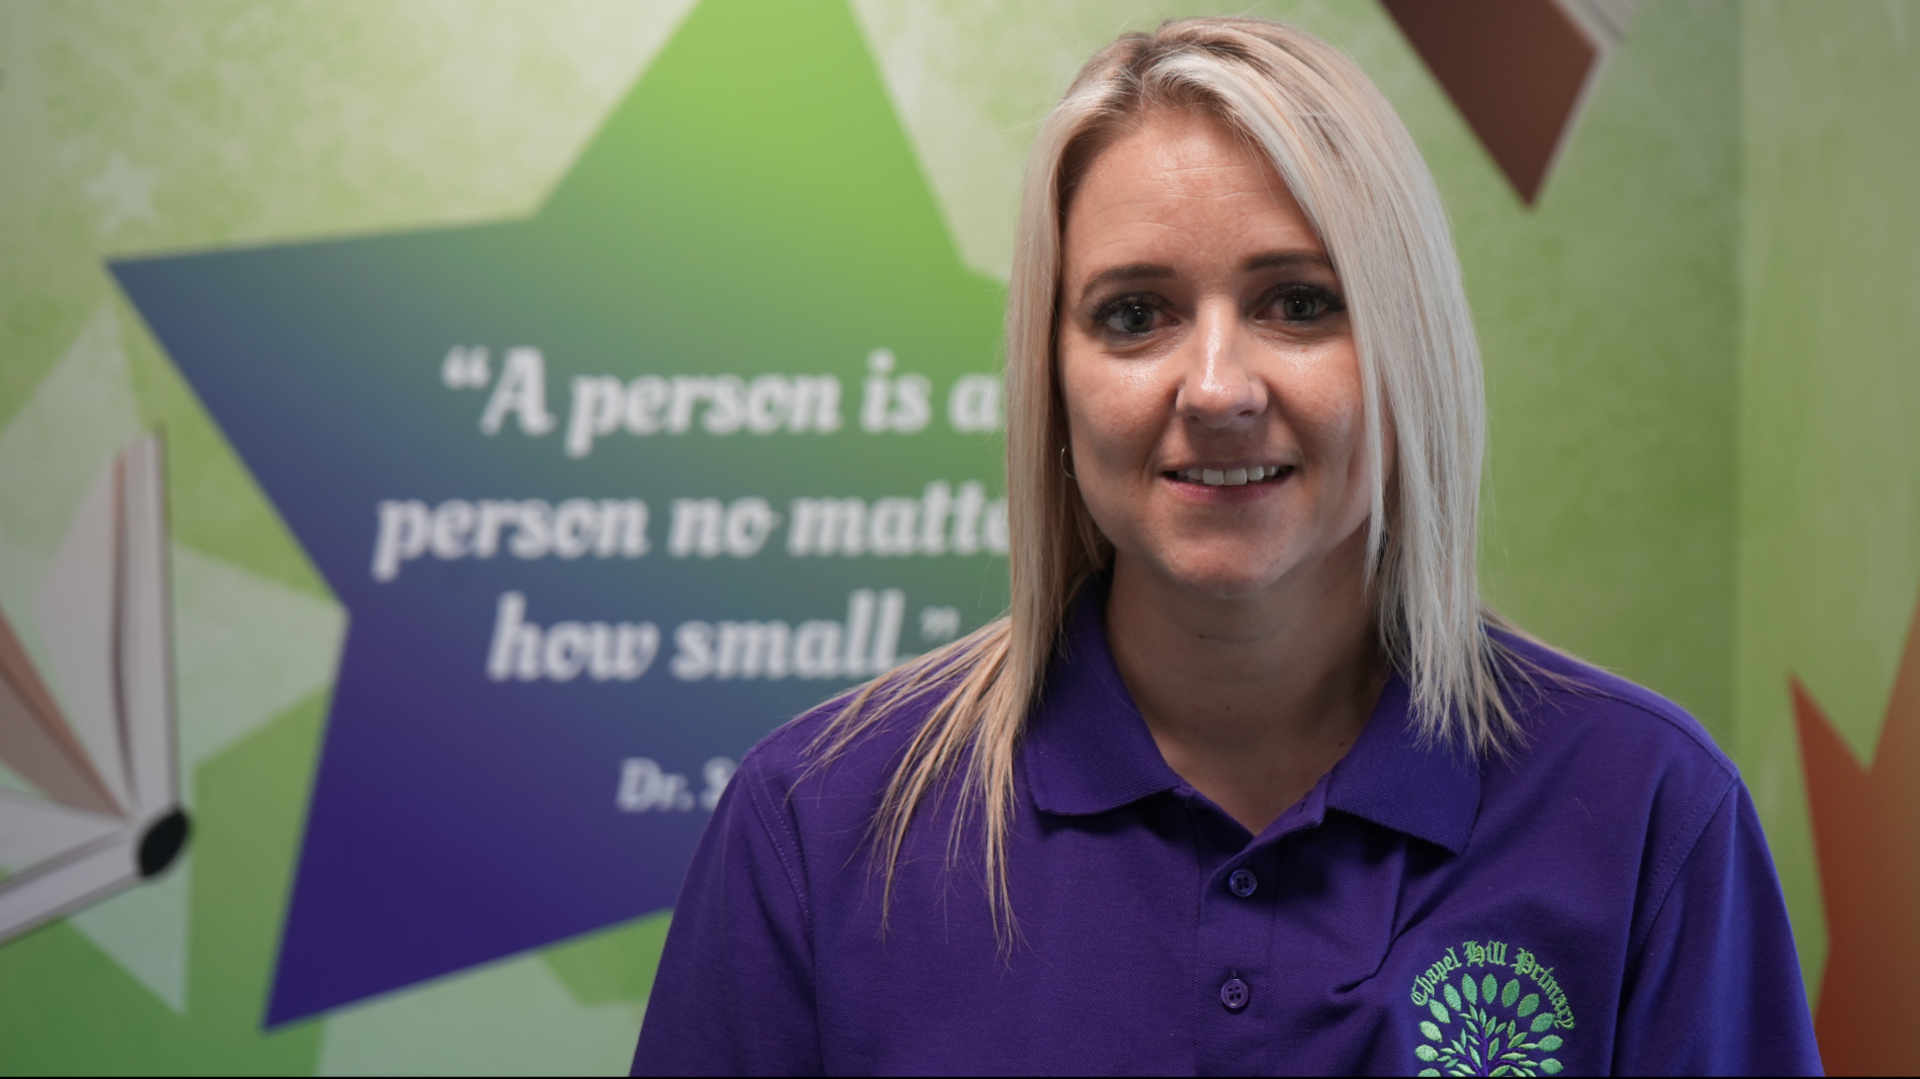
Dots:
pixel 1232 477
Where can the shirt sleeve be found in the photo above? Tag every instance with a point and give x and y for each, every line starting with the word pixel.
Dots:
pixel 1716 987
pixel 734 994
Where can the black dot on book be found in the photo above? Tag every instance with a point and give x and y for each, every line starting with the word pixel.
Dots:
pixel 162 843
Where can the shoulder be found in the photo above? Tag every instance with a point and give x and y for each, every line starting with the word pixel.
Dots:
pixel 1607 762
pixel 1615 783
pixel 1570 707
pixel 1608 769
pixel 827 769
pixel 860 735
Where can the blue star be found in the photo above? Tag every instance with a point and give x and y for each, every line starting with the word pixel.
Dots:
pixel 607 493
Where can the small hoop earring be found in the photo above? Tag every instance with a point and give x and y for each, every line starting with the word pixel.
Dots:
pixel 1064 468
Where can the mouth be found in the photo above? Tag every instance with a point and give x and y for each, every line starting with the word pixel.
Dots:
pixel 1231 477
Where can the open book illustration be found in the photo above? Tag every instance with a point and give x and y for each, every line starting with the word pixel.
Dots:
pixel 103 811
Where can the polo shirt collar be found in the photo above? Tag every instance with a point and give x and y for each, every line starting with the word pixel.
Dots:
pixel 1088 750
pixel 1087 747
pixel 1431 792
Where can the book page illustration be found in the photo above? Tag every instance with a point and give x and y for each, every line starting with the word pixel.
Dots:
pixel 100 753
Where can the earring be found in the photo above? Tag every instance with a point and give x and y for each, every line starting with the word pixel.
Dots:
pixel 1065 468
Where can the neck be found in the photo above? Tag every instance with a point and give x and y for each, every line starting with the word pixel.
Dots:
pixel 1251 698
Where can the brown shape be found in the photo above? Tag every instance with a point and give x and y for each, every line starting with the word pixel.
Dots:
pixel 1514 68
pixel 1863 828
pixel 35 740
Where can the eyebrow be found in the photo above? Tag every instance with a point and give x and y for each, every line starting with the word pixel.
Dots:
pixel 1134 271
pixel 1153 271
pixel 1289 258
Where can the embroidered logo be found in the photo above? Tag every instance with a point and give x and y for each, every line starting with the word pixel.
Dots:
pixel 1486 1016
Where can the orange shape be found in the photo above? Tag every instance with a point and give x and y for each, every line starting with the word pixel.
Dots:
pixel 1864 831
pixel 1516 69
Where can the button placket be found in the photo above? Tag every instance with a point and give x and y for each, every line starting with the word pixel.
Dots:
pixel 1235 947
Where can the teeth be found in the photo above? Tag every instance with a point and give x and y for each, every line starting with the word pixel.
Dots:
pixel 1231 477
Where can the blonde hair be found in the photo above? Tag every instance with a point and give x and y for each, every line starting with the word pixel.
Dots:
pixel 1356 174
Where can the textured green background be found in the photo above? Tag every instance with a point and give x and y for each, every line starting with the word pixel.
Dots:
pixel 1829 381
pixel 1700 352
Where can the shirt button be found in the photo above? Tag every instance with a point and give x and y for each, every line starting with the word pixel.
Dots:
pixel 1234 994
pixel 1243 882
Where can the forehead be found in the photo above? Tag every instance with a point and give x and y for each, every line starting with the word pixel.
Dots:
pixel 1182 182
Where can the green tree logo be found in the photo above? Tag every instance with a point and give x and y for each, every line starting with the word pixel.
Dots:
pixel 1483 1029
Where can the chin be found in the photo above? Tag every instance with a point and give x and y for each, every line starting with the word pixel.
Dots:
pixel 1224 578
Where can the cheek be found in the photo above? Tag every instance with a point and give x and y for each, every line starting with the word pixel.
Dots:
pixel 1325 402
pixel 1114 411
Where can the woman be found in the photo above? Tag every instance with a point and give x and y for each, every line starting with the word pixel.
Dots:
pixel 1250 780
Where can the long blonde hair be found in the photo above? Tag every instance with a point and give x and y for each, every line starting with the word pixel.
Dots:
pixel 1356 174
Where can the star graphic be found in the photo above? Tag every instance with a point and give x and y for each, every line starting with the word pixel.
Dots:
pixel 752 211
pixel 1518 70
pixel 1869 878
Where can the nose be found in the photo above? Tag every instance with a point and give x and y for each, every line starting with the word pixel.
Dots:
pixel 1219 387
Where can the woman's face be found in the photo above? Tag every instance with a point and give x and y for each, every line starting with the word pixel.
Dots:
pixel 1208 367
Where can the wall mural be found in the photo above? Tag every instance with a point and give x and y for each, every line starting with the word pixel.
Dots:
pixel 1863 818
pixel 1519 70
pixel 607 493
pixel 104 811
pixel 387 592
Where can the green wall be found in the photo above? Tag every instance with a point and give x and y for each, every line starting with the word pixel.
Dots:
pixel 1829 379
pixel 1609 317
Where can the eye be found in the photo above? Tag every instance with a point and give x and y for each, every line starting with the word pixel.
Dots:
pixel 1129 317
pixel 1302 303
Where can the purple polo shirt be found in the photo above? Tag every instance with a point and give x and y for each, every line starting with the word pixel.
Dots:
pixel 1603 903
